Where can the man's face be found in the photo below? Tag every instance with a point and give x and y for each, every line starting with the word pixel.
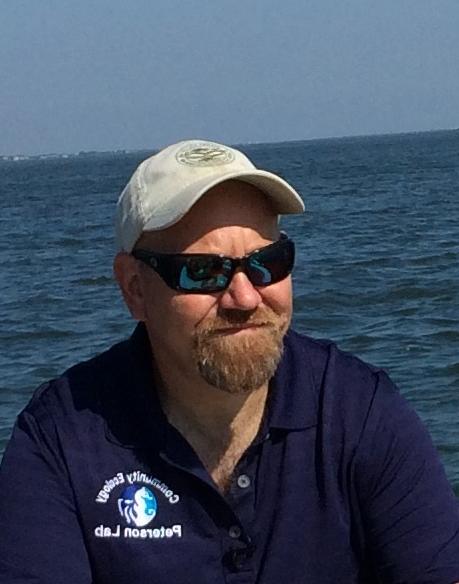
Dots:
pixel 231 339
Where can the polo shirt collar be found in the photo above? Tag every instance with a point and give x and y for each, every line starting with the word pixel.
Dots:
pixel 293 402
pixel 134 417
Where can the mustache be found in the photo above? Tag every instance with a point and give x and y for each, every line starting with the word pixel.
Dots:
pixel 228 318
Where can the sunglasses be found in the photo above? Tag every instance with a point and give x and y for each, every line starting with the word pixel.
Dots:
pixel 200 273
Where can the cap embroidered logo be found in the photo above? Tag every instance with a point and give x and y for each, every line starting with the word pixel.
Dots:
pixel 204 154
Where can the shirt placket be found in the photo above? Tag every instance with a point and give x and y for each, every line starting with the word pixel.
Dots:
pixel 238 541
pixel 233 513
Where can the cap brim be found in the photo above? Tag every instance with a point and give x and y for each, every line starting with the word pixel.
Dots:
pixel 284 198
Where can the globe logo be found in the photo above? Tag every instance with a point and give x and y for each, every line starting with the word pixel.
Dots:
pixel 137 505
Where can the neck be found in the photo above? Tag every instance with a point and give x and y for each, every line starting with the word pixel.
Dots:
pixel 209 410
pixel 219 425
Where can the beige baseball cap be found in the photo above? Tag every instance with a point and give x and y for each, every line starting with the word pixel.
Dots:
pixel 165 186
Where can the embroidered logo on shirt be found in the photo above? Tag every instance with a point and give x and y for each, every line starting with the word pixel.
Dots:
pixel 137 505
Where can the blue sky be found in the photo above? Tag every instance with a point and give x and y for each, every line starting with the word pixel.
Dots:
pixel 109 74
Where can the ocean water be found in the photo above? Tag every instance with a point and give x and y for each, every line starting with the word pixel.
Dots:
pixel 377 263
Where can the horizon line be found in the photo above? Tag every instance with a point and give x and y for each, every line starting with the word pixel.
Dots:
pixel 254 143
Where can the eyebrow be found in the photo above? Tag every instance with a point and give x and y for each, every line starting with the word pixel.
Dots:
pixel 258 247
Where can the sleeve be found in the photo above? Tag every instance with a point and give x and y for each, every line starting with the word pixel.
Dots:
pixel 40 536
pixel 411 516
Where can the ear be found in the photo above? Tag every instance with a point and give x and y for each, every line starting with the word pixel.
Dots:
pixel 129 278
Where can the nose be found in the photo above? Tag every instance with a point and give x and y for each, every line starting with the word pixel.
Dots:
pixel 240 294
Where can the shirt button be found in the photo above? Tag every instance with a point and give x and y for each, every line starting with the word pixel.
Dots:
pixel 235 532
pixel 243 481
pixel 239 558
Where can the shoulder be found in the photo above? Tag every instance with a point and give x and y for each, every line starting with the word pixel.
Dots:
pixel 333 368
pixel 348 391
pixel 81 390
pixel 108 396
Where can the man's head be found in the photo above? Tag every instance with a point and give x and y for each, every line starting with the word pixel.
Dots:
pixel 229 332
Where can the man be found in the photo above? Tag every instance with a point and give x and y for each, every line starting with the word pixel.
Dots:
pixel 216 444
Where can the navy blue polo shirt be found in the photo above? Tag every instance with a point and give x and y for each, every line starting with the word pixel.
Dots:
pixel 342 483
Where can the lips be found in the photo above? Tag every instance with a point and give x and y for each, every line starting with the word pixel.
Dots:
pixel 237 328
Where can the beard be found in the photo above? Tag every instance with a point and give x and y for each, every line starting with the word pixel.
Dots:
pixel 243 362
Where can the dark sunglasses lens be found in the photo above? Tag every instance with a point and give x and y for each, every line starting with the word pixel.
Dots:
pixel 204 274
pixel 271 264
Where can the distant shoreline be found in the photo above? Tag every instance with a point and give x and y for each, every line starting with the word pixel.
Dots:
pixel 18 157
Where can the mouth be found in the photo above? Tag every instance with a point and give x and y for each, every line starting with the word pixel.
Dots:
pixel 239 328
